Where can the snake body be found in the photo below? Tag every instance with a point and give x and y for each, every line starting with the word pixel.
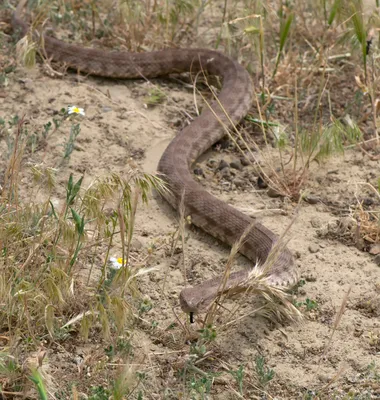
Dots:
pixel 207 212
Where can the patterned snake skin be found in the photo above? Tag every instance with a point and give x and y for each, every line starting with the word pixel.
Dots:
pixel 207 212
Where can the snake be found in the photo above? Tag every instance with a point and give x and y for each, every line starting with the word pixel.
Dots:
pixel 207 212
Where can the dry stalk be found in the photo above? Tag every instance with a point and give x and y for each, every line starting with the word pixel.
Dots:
pixel 276 300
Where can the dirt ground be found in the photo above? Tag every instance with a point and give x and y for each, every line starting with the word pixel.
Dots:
pixel 118 132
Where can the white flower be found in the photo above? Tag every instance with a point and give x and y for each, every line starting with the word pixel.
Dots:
pixel 75 110
pixel 116 263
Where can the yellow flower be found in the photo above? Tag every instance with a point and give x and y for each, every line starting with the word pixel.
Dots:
pixel 75 110
pixel 116 263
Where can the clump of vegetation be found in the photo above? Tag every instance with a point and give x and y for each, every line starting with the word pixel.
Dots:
pixel 51 254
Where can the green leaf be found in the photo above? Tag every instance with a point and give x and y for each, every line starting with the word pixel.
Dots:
pixel 284 31
pixel 334 11
pixel 36 378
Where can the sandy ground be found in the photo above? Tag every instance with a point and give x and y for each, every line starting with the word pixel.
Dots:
pixel 118 132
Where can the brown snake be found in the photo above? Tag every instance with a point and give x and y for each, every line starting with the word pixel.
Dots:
pixel 207 212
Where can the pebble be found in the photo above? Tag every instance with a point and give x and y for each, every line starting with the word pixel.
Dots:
pixel 136 244
pixel 236 165
pixel 199 171
pixel 316 223
pixel 222 165
pixel 313 248
pixel 261 183
pixel 375 249
pixel 324 378
pixel 376 260
pixel 223 143
pixel 244 162
pixel 239 182
pixel 312 199
pixel 273 193
pixel 225 173
pixel 368 202
pixel 177 122
pixel 212 163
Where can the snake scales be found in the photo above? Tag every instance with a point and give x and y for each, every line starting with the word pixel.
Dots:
pixel 207 212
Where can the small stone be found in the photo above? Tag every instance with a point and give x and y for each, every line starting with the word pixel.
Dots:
pixel 226 173
pixel 177 122
pixel 375 249
pixel 223 143
pixel 28 83
pixel 312 199
pixel 316 223
pixel 78 360
pixel 367 202
pixel 223 164
pixel 106 109
pixel 324 378
pixel 273 193
pixel 244 162
pixel 376 260
pixel 136 244
pixel 241 144
pixel 212 163
pixel 261 183
pixel 239 182
pixel 199 171
pixel 176 99
pixel 361 245
pixel 236 165
pixel 313 248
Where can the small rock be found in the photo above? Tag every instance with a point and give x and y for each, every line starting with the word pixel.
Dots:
pixel 241 144
pixel 106 109
pixel 312 199
pixel 367 202
pixel 177 122
pixel 310 278
pixel 177 99
pixel 236 165
pixel 244 162
pixel 273 193
pixel 199 171
pixel 27 83
pixel 211 163
pixel 324 378
pixel 136 244
pixel 225 173
pixel 261 183
pixel 78 360
pixel 239 182
pixel 376 260
pixel 223 164
pixel 313 248
pixel 361 245
pixel 223 143
pixel 316 223
pixel 375 249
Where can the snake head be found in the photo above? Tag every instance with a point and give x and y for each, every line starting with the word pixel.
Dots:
pixel 196 300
